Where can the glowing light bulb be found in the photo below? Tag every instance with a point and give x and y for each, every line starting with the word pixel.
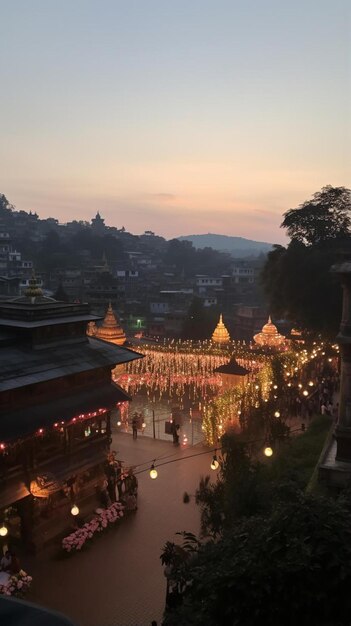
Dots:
pixel 74 510
pixel 268 451
pixel 305 392
pixel 277 414
pixel 119 423
pixel 143 425
pixel 153 472
pixel 3 531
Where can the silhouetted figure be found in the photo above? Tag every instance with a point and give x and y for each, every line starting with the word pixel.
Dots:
pixel 135 426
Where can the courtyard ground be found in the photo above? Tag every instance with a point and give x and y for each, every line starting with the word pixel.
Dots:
pixel 118 580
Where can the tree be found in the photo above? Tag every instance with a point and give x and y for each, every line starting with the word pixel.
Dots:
pixel 326 216
pixel 199 323
pixel 299 286
pixel 239 490
pixel 290 567
pixel 297 279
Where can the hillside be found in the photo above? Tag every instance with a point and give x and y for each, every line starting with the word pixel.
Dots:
pixel 237 246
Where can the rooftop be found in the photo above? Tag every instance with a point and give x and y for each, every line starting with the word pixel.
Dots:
pixel 20 366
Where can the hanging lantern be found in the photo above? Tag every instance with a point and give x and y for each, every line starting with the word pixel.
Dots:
pixel 3 530
pixel 74 510
pixel 268 451
pixel 214 463
pixel 153 472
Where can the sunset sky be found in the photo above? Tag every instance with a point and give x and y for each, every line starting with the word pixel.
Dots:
pixel 181 117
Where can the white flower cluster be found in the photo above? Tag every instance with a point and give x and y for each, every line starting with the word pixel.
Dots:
pixel 104 517
pixel 17 584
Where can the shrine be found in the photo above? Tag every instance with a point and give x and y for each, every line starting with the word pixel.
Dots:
pixel 220 334
pixel 269 336
pixel 110 330
pixel 56 396
pixel 233 374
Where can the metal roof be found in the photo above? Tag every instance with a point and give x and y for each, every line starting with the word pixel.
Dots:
pixel 26 421
pixel 21 366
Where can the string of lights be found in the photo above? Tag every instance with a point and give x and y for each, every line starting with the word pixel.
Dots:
pixel 268 451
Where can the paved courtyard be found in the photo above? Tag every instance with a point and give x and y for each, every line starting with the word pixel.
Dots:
pixel 118 580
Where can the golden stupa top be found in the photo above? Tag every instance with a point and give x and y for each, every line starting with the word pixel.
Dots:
pixel 220 334
pixel 110 330
pixel 33 290
pixel 269 328
pixel 269 336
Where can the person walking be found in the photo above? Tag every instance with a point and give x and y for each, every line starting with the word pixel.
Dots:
pixel 135 426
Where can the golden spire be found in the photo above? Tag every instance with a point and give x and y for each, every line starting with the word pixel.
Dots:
pixel 269 336
pixel 110 330
pixel 33 290
pixel 220 334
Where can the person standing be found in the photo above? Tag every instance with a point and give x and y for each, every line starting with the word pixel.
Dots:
pixel 135 426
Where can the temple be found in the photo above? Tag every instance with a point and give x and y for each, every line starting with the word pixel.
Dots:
pixel 269 336
pixel 110 330
pixel 233 374
pixel 220 334
pixel 56 397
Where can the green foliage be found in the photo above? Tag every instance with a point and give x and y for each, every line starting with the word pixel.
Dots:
pixel 290 567
pixel 326 216
pixel 199 323
pixel 297 279
pixel 238 492
pixel 246 487
pixel 296 458
pixel 299 285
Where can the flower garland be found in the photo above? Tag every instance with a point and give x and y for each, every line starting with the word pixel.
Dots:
pixel 104 517
pixel 17 584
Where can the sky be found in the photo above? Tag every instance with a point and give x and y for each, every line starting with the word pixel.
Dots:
pixel 183 117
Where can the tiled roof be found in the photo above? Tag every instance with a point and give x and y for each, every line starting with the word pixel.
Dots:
pixel 24 422
pixel 20 367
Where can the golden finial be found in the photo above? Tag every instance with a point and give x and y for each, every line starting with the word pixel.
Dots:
pixel 33 290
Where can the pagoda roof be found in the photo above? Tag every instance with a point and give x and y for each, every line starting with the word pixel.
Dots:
pixel 24 422
pixel 232 367
pixel 21 366
pixel 52 321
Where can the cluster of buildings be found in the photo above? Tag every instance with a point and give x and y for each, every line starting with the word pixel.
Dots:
pixel 111 265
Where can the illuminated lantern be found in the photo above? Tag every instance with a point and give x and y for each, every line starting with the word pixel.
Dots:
pixel 268 451
pixel 153 472
pixel 3 531
pixel 214 463
pixel 277 414
pixel 74 510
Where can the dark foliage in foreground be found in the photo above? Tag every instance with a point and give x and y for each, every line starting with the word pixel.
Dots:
pixel 291 567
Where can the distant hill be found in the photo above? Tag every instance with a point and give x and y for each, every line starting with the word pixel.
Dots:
pixel 236 246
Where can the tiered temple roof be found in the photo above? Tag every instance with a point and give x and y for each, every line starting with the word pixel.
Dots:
pixel 220 334
pixel 269 336
pixel 110 330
